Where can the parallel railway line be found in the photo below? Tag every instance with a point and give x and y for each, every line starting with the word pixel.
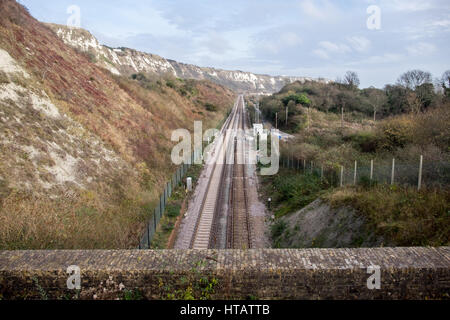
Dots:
pixel 230 146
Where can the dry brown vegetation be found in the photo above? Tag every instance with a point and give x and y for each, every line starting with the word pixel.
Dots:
pixel 404 137
pixel 117 134
pixel 402 215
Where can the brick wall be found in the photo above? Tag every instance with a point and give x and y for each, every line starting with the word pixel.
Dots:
pixel 406 273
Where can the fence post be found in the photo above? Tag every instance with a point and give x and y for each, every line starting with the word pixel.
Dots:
pixel 342 175
pixel 321 173
pixel 166 194
pixel 304 164
pixel 371 170
pixel 419 183
pixel 148 232
pixel 354 174
pixel 393 171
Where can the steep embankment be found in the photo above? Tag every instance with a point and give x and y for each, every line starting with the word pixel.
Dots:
pixel 126 61
pixel 83 153
pixel 319 225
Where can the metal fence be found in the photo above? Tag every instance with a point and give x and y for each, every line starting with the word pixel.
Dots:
pixel 420 173
pixel 160 208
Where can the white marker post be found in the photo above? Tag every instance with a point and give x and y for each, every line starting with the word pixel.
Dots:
pixel 342 175
pixel 276 120
pixel 354 175
pixel 393 171
pixel 371 170
pixel 189 184
pixel 419 183
pixel 286 115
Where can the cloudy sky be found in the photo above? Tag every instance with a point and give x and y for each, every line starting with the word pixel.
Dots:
pixel 317 38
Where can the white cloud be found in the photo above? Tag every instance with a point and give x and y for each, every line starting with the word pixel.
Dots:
pixel 321 54
pixel 360 44
pixel 322 10
pixel 382 59
pixel 421 49
pixel 216 43
pixel 385 58
pixel 334 47
pixel 328 48
pixel 441 23
pixel 290 39
pixel 410 5
pixel 277 41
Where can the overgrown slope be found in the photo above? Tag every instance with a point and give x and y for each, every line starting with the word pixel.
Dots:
pixel 83 153
pixel 374 212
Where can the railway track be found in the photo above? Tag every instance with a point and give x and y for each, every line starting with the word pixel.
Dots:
pixel 229 146
pixel 239 225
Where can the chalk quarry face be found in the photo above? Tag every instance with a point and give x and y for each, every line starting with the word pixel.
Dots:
pixel 40 144
pixel 126 61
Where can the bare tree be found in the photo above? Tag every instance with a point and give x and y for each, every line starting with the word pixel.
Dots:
pixel 414 102
pixel 351 79
pixel 445 80
pixel 414 78
pixel 377 99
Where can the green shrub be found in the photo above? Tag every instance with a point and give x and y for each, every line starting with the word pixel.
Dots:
pixel 132 295
pixel 278 228
pixel 173 210
pixel 170 84
pixel 396 132
pixel 297 98
pixel 365 182
pixel 210 107
pixel 294 191
pixel 365 141
pixel 91 57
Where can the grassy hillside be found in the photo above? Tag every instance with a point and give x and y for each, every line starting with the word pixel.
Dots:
pixel 400 214
pixel 322 136
pixel 83 153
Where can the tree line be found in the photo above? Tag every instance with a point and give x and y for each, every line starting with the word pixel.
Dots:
pixel 414 91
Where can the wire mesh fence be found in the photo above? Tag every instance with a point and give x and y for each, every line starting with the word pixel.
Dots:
pixel 420 173
pixel 160 208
